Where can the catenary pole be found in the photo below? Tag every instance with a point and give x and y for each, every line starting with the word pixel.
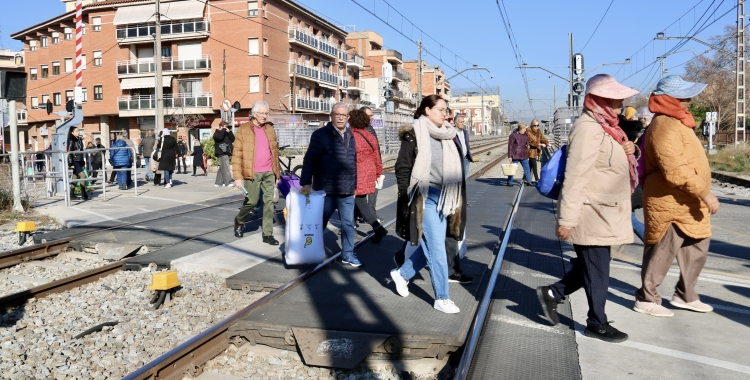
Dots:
pixel 740 105
pixel 570 62
pixel 159 90
pixel 15 170
pixel 419 71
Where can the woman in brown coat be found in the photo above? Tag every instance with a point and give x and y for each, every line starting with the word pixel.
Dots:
pixel 678 203
pixel 594 205
pixel 537 141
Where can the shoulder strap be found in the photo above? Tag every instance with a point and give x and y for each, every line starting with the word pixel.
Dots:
pixel 365 137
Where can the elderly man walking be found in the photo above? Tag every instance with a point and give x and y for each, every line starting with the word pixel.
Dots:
pixel 462 139
pixel 330 164
pixel 255 166
pixel 677 198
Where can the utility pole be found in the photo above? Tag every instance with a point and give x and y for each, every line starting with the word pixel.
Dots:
pixel 482 124
pixel 159 90
pixel 15 170
pixel 570 61
pixel 740 105
pixel 224 73
pixel 554 98
pixel 419 71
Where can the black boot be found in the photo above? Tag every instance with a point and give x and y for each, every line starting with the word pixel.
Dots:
pixel 380 232
pixel 239 229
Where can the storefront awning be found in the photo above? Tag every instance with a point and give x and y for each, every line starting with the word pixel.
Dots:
pixel 176 10
pixel 146 82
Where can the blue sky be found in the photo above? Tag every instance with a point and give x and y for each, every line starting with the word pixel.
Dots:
pixel 471 32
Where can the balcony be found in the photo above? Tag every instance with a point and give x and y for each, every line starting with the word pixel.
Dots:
pixel 176 30
pixel 343 56
pixel 133 106
pixel 329 79
pixel 302 37
pixel 320 105
pixel 326 105
pixel 309 72
pixel 173 64
pixel 355 60
pixel 401 74
pixel 389 54
pixel 355 85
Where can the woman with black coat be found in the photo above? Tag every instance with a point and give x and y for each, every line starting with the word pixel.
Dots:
pixel 76 162
pixel 198 157
pixel 168 159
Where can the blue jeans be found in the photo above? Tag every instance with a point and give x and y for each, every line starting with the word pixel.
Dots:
pixel 122 176
pixel 466 168
pixel 147 160
pixel 526 170
pixel 345 205
pixel 431 251
pixel 167 176
pixel 638 227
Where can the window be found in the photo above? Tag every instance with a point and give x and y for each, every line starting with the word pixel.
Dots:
pixel 84 95
pixel 32 45
pixel 252 8
pixel 56 99
pixel 83 61
pixel 265 10
pixel 45 99
pixel 68 65
pixel 55 38
pixel 68 33
pixel 254 83
pixel 45 71
pixel 252 46
pixel 34 102
pixel 44 42
pixel 265 46
pixel 97 57
pixel 55 68
pixel 166 51
pixel 97 21
pixel 266 84
pixel 32 73
pixel 68 96
pixel 98 93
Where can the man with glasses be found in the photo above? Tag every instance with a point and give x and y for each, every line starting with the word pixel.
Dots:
pixel 255 166
pixel 330 164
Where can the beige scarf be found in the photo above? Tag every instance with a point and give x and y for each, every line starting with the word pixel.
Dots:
pixel 450 193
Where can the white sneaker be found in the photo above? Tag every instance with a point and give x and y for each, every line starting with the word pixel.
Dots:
pixel 168 185
pixel 402 284
pixel 446 306
pixel 215 185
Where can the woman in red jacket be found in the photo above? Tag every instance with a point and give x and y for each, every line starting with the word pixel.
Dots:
pixel 369 169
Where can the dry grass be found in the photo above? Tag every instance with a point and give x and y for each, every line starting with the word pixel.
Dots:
pixel 732 159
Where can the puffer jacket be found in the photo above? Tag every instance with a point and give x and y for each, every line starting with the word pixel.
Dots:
pixel 369 164
pixel 535 138
pixel 330 163
pixel 595 196
pixel 681 177
pixel 409 213
pixel 120 157
pixel 517 144
pixel 243 161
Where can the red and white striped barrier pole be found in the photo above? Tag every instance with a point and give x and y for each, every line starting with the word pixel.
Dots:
pixel 78 90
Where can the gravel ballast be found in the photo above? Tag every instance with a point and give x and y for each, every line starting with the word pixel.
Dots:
pixel 37 340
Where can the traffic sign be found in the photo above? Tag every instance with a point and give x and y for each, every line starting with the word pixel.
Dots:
pixel 226 105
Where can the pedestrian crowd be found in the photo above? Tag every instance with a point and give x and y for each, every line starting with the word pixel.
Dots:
pixel 620 159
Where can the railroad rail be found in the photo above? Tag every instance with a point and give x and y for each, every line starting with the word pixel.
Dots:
pixel 481 172
pixel 728 178
pixel 188 357
pixel 484 148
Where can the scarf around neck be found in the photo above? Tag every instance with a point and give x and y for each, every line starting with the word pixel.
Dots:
pixel 601 109
pixel 667 105
pixel 450 192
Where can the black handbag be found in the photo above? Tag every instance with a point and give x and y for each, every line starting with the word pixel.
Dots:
pixel 156 156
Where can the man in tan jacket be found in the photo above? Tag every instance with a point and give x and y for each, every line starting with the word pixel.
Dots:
pixel 677 198
pixel 255 166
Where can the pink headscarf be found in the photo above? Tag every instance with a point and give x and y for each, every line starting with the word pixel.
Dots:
pixel 602 110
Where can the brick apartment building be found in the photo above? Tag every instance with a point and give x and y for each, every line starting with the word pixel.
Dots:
pixel 433 79
pixel 369 45
pixel 274 50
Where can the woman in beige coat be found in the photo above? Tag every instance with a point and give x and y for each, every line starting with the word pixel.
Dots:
pixel 594 205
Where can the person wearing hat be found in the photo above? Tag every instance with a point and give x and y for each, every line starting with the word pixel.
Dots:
pixel 594 204
pixel 677 197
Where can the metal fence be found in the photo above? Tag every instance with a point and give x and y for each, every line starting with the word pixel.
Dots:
pixel 562 122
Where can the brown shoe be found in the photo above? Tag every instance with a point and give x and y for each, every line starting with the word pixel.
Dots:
pixel 696 305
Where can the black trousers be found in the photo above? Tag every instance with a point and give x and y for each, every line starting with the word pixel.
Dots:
pixel 590 272
pixel 202 167
pixel 534 170
pixel 365 209
pixel 184 165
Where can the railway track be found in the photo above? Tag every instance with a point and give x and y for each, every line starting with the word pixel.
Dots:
pixel 476 150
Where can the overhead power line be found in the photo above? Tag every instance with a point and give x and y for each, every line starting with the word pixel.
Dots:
pixel 516 51
pixel 597 26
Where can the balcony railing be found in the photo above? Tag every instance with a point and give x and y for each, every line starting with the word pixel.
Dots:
pixel 329 78
pixel 315 42
pixel 344 82
pixel 344 56
pixel 167 29
pixel 147 65
pixel 306 103
pixel 326 104
pixel 356 59
pixel 147 102
pixel 304 71
pixel 356 83
pixel 401 74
